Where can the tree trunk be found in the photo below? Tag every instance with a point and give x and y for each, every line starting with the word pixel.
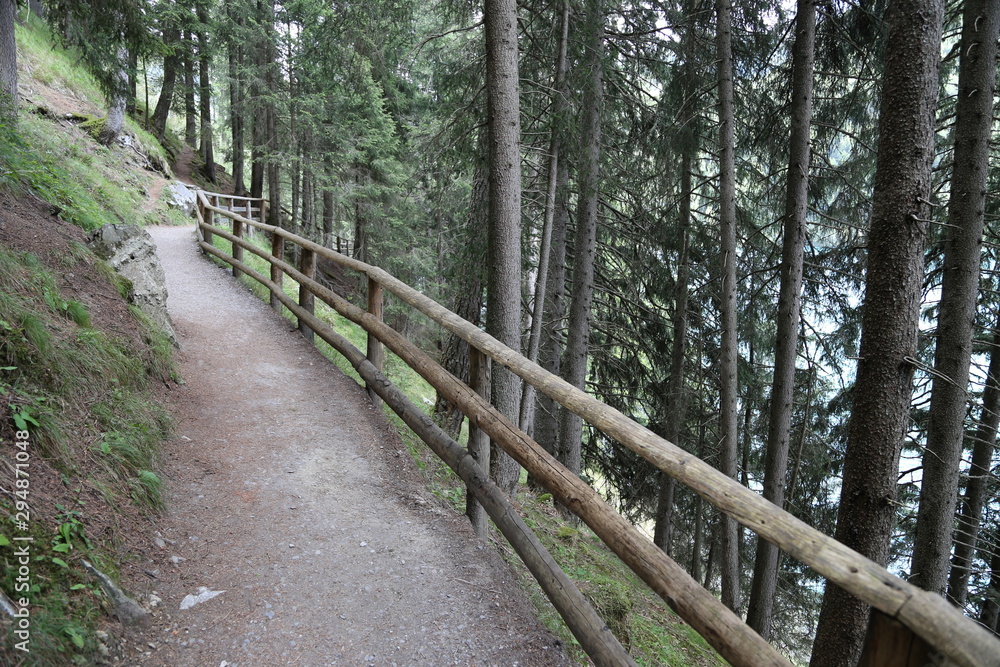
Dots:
pixel 329 211
pixel 545 247
pixel 765 576
pixel 8 61
pixel 190 111
pixel 585 242
pixel 271 116
pixel 550 345
pixel 236 102
pixel 729 562
pixel 117 100
pixel 676 398
pixel 896 242
pixel 258 132
pixel 960 287
pixel 130 90
pixel 663 525
pixel 503 289
pixel 976 489
pixel 171 39
pixel 989 616
pixel 468 288
pixel 205 89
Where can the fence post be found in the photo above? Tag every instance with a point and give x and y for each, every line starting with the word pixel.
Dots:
pixel 278 252
pixel 307 265
pixel 479 442
pixel 237 249
pixel 206 234
pixel 889 643
pixel 376 353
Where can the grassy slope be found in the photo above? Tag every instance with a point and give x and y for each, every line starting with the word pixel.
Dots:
pixel 80 371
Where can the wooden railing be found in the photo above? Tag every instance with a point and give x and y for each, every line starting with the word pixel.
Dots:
pixel 929 616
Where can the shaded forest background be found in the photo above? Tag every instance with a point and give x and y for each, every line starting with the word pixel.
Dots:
pixel 703 192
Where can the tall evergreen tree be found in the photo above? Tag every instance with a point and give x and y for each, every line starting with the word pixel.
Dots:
pixel 960 287
pixel 977 488
pixel 896 240
pixel 765 577
pixel 503 288
pixel 8 61
pixel 206 148
pixel 728 399
pixel 574 365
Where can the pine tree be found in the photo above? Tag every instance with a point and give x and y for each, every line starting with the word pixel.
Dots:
pixel 8 61
pixel 896 241
pixel 503 289
pixel 765 576
pixel 960 287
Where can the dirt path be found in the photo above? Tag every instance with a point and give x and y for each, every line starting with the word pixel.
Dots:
pixel 291 494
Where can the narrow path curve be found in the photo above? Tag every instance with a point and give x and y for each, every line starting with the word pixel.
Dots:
pixel 289 492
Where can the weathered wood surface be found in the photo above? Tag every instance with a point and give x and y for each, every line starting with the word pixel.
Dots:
pixel 376 354
pixel 587 626
pixel 237 248
pixel 479 442
pixel 928 615
pixel 307 300
pixel 891 644
pixel 277 250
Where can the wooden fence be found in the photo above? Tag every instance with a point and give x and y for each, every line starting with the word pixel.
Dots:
pixel 943 627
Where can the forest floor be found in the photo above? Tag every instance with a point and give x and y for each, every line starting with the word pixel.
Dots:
pixel 293 496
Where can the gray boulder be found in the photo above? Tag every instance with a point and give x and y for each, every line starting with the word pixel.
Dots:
pixel 131 252
pixel 181 197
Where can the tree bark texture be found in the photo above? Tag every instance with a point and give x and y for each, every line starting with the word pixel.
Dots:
pixel 205 90
pixel 117 100
pixel 190 110
pixel 891 308
pixel 545 246
pixel 468 302
pixel 676 398
pixel 977 488
pixel 960 287
pixel 676 403
pixel 551 343
pixel 236 101
pixel 503 288
pixel 258 107
pixel 989 616
pixel 765 576
pixel 574 364
pixel 171 39
pixel 728 399
pixel 271 116
pixel 8 61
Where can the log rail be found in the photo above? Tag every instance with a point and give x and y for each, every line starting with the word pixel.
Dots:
pixel 929 616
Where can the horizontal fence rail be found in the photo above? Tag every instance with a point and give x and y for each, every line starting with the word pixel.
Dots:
pixel 929 616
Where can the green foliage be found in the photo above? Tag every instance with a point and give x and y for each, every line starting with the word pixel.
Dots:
pixel 65 605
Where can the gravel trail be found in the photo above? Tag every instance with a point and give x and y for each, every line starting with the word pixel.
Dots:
pixel 290 493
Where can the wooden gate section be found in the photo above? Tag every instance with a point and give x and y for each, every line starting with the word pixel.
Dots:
pixel 929 616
